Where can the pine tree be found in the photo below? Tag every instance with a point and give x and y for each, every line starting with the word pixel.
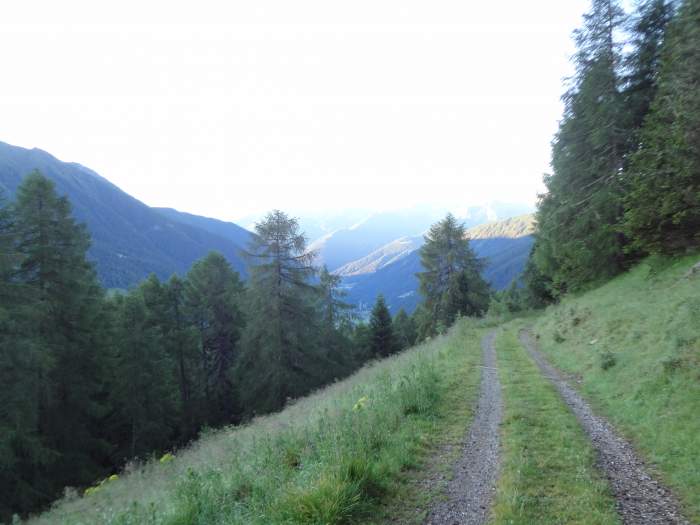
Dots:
pixel 214 293
pixel 383 343
pixel 451 282
pixel 405 330
pixel 662 208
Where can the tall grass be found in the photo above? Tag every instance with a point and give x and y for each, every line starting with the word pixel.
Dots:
pixel 634 345
pixel 328 458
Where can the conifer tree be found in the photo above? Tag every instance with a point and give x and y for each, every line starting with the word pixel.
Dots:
pixel 578 216
pixel 65 309
pixel 181 341
pixel 404 328
pixel 214 293
pixel 281 357
pixel 451 282
pixel 143 385
pixel 662 208
pixel 642 65
pixel 383 343
pixel 336 319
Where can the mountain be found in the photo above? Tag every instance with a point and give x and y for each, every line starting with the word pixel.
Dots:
pixel 373 234
pixel 384 256
pixel 505 245
pixel 130 240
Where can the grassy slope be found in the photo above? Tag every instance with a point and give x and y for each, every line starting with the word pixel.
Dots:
pixel 548 472
pixel 646 322
pixel 339 455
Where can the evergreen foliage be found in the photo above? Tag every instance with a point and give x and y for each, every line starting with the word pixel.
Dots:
pixel 383 342
pixel 404 327
pixel 90 381
pixel 662 207
pixel 282 356
pixel 451 282
pixel 626 159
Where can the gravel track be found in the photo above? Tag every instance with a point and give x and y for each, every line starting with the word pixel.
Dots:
pixel 470 491
pixel 639 498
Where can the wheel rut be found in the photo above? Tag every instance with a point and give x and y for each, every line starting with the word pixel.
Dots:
pixel 640 499
pixel 470 491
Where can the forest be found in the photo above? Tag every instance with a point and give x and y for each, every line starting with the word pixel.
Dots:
pixel 95 379
pixel 625 179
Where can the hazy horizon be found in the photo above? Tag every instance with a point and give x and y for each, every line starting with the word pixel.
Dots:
pixel 231 111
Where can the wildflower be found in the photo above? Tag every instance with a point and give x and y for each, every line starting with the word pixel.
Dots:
pixel 167 458
pixel 91 490
pixel 360 403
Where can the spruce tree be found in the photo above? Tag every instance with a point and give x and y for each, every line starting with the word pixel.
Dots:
pixel 213 294
pixel 662 208
pixel 578 216
pixel 451 282
pixel 383 343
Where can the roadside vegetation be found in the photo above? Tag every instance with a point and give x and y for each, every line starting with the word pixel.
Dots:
pixel 548 472
pixel 329 458
pixel 634 345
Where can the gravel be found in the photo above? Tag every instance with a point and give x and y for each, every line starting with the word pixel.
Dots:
pixel 470 491
pixel 640 499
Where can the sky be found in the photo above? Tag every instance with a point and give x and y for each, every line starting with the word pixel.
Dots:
pixel 228 109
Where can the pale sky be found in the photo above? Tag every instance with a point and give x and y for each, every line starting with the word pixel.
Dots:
pixel 230 108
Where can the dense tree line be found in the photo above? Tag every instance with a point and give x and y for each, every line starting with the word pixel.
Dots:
pixel 94 379
pixel 626 158
pixel 91 380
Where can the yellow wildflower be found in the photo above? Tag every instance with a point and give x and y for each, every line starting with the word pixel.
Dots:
pixel 360 403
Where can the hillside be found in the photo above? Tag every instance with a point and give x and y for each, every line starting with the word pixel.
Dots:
pixel 391 270
pixel 393 432
pixel 129 239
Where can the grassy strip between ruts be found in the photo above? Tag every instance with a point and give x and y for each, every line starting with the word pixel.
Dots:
pixel 548 473
pixel 334 457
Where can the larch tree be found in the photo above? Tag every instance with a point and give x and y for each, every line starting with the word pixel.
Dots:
pixel 281 359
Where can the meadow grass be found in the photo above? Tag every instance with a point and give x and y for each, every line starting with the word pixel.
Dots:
pixel 548 472
pixel 333 457
pixel 634 344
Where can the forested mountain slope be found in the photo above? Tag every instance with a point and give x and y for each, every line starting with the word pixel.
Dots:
pixel 129 239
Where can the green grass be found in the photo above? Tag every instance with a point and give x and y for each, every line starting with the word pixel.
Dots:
pixel 635 345
pixel 547 472
pixel 345 454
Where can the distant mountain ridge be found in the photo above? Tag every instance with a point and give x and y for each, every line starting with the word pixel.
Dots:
pixel 505 246
pixel 377 253
pixel 130 240
pixel 377 234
